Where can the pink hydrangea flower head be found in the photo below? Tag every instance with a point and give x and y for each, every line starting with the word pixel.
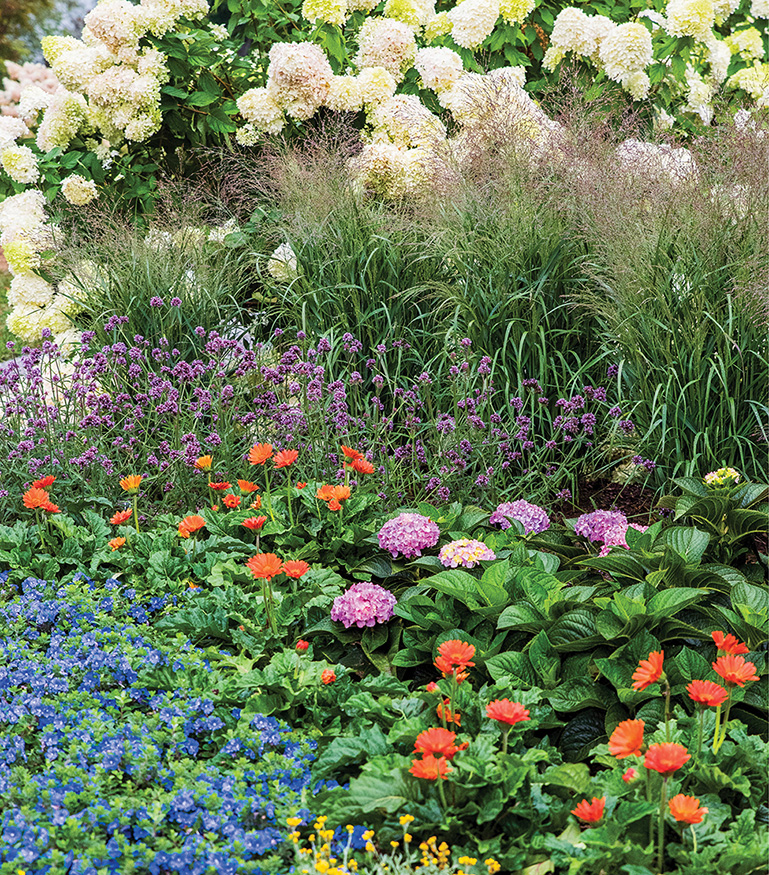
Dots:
pixel 408 534
pixel 465 552
pixel 607 527
pixel 532 517
pixel 364 604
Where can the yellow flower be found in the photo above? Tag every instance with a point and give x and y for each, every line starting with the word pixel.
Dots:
pixel 293 821
pixel 492 865
pixel 406 819
pixel 407 837
pixel 467 861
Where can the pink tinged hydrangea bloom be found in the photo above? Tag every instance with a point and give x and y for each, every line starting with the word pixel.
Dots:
pixel 364 604
pixel 532 517
pixel 408 534
pixel 607 527
pixel 465 552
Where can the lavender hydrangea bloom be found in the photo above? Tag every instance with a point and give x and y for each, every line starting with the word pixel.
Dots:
pixel 465 552
pixel 408 534
pixel 532 517
pixel 364 604
pixel 608 527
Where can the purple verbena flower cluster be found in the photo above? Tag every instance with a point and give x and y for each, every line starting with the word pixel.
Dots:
pixel 364 604
pixel 408 534
pixel 532 517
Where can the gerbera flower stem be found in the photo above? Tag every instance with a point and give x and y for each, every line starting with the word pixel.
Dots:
pixel 701 732
pixel 505 733
pixel 268 604
pixel 649 799
pixel 717 742
pixel 694 838
pixel 136 511
pixel 267 494
pixel 39 527
pixel 666 694
pixel 442 794
pixel 718 727
pixel 288 498
pixel 661 826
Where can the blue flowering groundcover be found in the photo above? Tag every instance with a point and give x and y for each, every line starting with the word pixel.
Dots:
pixel 101 774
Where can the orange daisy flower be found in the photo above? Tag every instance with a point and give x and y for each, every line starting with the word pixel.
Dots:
pixel 191 524
pixel 735 670
pixel 334 505
pixel 436 741
pixel 220 487
pixel 300 485
pixel 444 713
pixel 259 453
pixel 432 687
pixel 590 812
pixel 295 568
pixel 50 507
pixel 328 676
pixel 707 693
pixel 325 492
pixel 725 643
pixel 247 487
pixel 47 481
pixel 254 522
pixel 116 543
pixel 285 458
pixel 231 501
pixel 302 645
pixel 506 711
pixel 265 565
pixel 649 670
pixel 256 503
pixel 666 758
pixel 120 517
pixel 34 497
pixel 453 655
pixel 363 466
pixel 630 775
pixel 430 768
pixel 342 493
pixel 203 463
pixel 131 483
pixel 627 739
pixel 686 809
pixel 351 453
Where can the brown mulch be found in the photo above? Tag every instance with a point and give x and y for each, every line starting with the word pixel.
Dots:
pixel 635 501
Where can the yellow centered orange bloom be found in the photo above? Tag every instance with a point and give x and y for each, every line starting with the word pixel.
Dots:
pixel 342 493
pixel 259 453
pixel 120 517
pixel 735 670
pixel 351 453
pixel 666 758
pixel 506 711
pixel 116 543
pixel 363 466
pixel 686 809
pixel 707 693
pixel 328 676
pixel 131 483
pixel 436 741
pixel 430 768
pixel 231 501
pixel 191 524
pixel 45 482
pixel 34 497
pixel 630 775
pixel 254 522
pixel 627 739
pixel 285 458
pixel 590 812
pixel 295 568
pixel 247 487
pixel 203 463
pixel 325 492
pixel 729 643
pixel 220 487
pixel 649 670
pixel 265 565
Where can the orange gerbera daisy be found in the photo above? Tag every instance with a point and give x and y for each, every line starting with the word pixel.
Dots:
pixel 116 543
pixel 285 458
pixel 649 670
pixel 686 809
pixel 444 713
pixel 334 505
pixel 590 812
pixel 231 501
pixel 203 463
pixel 254 522
pixel 506 711
pixel 436 741
pixel 351 453
pixel 34 497
pixel 131 483
pixel 256 503
pixel 341 492
pixel 325 492
pixel 265 565
pixel 630 775
pixel 247 487
pixel 220 487
pixel 295 568
pixel 666 758
pixel 45 482
pixel 735 670
pixel 300 484
pixel 363 466
pixel 627 739
pixel 725 643
pixel 707 693
pixel 191 524
pixel 454 654
pixel 50 507
pixel 328 676
pixel 430 768
pixel 120 517
pixel 259 453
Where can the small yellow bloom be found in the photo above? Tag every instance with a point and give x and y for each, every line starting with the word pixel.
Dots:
pixel 394 844
pixel 294 821
pixel 407 837
pixel 350 828
pixel 406 819
pixel 492 865
pixel 369 834
pixel 370 848
pixel 467 861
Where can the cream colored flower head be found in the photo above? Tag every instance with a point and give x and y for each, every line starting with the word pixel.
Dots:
pixel 78 190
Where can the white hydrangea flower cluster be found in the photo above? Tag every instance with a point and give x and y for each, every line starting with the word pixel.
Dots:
pixel 78 190
pixel 35 303
pixel 654 162
pixel 754 80
pixel 388 43
pixel 472 21
pixel 20 163
pixel 747 43
pixel 690 18
pixel 282 264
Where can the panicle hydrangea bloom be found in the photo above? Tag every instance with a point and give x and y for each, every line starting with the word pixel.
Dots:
pixel 385 42
pixel 657 161
pixel 637 85
pixel 690 18
pixel 345 94
pixel 472 21
pixel 65 115
pixel 376 85
pixel 722 477
pixel 78 190
pixel 532 517
pixel 20 163
pixel 406 121
pixel 465 552
pixel 10 130
pixel 364 604
pixel 258 106
pixel 282 264
pixel 439 25
pixel 414 13
pixel 754 80
pixel 719 57
pixel 31 290
pixel 759 8
pixel 627 50
pixel 330 11
pixel 439 67
pixel 573 32
pixel 514 11
pixel 746 42
pixel 408 534
pixel 298 78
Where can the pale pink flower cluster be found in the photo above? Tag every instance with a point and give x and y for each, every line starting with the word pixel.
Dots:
pixel 408 534
pixel 606 527
pixel 20 77
pixel 364 604
pixel 385 42
pixel 465 552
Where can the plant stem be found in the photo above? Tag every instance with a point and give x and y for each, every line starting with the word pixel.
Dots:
pixel 718 742
pixel 267 494
pixel 505 733
pixel 661 830
pixel 701 732
pixel 288 498
pixel 694 839
pixel 718 726
pixel 649 799
pixel 666 694
pixel 136 511
pixel 442 793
